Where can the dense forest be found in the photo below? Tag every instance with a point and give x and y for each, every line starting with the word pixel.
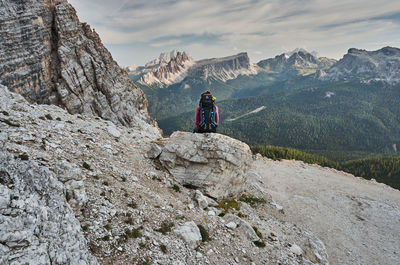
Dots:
pixel 382 169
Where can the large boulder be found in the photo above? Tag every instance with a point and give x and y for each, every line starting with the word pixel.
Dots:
pixel 211 162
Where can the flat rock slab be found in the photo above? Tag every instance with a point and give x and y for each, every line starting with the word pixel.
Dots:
pixel 213 163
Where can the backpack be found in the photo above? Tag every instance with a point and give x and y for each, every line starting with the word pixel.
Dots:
pixel 207 120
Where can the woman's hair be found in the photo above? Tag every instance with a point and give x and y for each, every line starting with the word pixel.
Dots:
pixel 206 92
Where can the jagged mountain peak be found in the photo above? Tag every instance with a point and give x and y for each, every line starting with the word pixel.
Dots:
pixel 302 50
pixel 169 68
pixel 165 57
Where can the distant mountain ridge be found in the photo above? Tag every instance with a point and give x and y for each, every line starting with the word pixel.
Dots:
pixel 300 62
pixel 359 65
pixel 366 66
pixel 225 68
pixel 166 69
pixel 173 67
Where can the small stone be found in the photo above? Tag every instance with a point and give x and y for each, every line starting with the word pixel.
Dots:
pixel 201 199
pixel 231 225
pixel 295 249
pixel 113 131
pixel 211 213
pixel 277 206
pixel 318 256
pixel 190 206
pixel 119 248
pixel 134 178
pixel 215 210
pixel 154 151
pixel 199 255
pixel 237 259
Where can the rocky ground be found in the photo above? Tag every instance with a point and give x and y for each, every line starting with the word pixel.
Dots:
pixel 77 189
pixel 112 191
pixel 357 219
pixel 127 206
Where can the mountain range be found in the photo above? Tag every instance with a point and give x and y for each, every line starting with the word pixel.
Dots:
pixel 365 66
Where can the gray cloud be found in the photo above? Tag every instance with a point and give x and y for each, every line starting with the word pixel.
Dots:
pixel 264 28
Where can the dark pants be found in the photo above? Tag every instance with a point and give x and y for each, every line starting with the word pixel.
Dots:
pixel 201 130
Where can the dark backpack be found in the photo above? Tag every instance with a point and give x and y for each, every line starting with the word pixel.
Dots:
pixel 207 119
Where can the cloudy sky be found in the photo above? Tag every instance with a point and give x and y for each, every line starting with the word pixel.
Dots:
pixel 136 31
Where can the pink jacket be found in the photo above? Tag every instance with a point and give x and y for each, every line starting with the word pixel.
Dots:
pixel 197 117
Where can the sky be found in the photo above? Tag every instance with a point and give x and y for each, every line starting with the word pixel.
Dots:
pixel 137 31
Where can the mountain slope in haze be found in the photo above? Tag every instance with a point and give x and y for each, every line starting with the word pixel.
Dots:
pixel 382 65
pixel 299 62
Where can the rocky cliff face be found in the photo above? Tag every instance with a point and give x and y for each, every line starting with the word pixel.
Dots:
pixel 48 56
pixel 225 68
pixel 382 65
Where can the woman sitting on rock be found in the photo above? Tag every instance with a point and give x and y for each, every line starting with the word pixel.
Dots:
pixel 206 119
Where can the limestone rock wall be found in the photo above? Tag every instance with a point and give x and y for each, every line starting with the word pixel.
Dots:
pixel 48 56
